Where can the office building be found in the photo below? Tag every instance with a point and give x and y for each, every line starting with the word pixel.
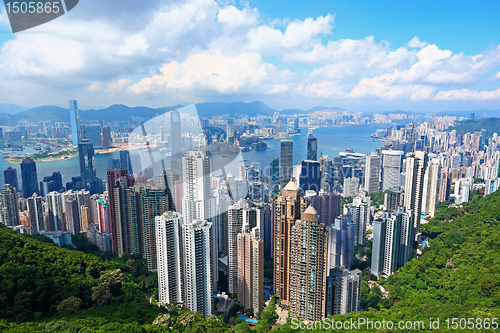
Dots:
pixel 308 253
pixel 51 183
pixel 169 267
pixel 392 241
pixel 416 166
pixel 74 123
pixel 372 174
pixel 29 177
pixel 230 130
pixel 392 161
pixel 10 177
pixel 114 163
pixel 312 147
pixel 239 214
pixel 125 162
pixel 199 268
pixel 343 291
pixel 287 208
pixel 286 162
pixel 9 206
pixel 88 166
pixel 250 272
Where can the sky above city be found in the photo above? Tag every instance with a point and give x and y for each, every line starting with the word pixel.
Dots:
pixel 359 55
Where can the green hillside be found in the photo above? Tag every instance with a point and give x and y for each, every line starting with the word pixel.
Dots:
pixel 491 125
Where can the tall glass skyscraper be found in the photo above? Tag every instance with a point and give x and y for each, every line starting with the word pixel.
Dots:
pixel 125 162
pixel 312 147
pixel 87 166
pixel 10 177
pixel 29 177
pixel 74 122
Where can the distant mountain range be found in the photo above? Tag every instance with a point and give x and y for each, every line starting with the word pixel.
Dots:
pixel 11 114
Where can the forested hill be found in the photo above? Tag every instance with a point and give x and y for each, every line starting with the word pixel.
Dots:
pixel 491 125
pixel 458 277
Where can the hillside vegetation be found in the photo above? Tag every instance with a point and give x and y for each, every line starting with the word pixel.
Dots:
pixel 491 125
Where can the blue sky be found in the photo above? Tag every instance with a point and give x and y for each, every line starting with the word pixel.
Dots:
pixel 359 55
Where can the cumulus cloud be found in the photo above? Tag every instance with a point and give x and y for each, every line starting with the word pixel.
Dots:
pixel 415 42
pixel 206 71
pixel 204 50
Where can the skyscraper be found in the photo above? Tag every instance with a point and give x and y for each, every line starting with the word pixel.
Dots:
pixel 312 147
pixel 392 161
pixel 351 187
pixel 431 187
pixel 392 241
pixel 199 268
pixel 93 133
pixel 372 174
pixel 393 199
pixel 287 208
pixel 250 273
pixel 125 161
pixel 308 250
pixel 10 177
pixel 168 245
pixel 35 213
pixel 360 217
pixel 88 166
pixel 56 214
pixel 327 204
pixel 230 130
pixel 343 291
pixel 152 202
pixel 125 225
pixel 9 206
pixel 74 122
pixel 416 165
pixel 286 162
pixel 112 176
pixel 274 174
pixel 29 177
pixel 310 176
pixel 239 215
pixel 106 137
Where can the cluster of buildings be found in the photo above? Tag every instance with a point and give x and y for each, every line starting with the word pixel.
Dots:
pixel 191 224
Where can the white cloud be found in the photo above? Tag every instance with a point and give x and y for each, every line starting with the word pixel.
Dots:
pixel 469 95
pixel 298 35
pixel 233 17
pixel 206 71
pixel 204 50
pixel 133 45
pixel 111 88
pixel 415 42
